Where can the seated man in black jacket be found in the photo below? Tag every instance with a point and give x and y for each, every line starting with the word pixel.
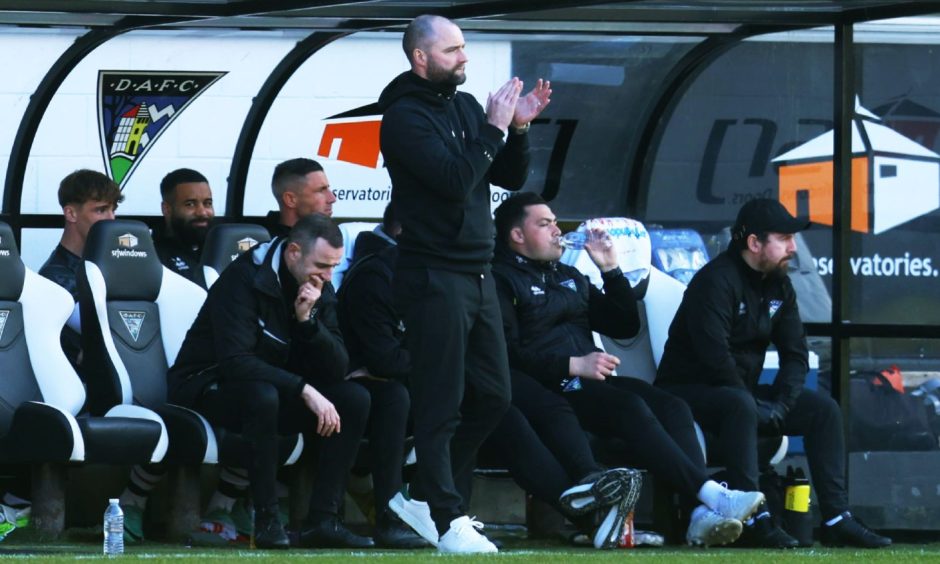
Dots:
pixel 265 356
pixel 734 308
pixel 301 188
pixel 549 310
pixel 187 215
pixel 548 455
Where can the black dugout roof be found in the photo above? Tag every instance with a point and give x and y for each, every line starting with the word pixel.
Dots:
pixel 653 16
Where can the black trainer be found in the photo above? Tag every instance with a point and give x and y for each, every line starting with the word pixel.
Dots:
pixel 390 532
pixel 849 531
pixel 331 533
pixel 600 490
pixel 269 531
pixel 762 533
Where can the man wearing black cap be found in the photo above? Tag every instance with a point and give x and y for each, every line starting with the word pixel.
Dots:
pixel 734 308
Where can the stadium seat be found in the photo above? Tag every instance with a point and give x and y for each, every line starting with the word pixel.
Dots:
pixel 41 396
pixel 678 252
pixel 224 243
pixel 135 315
pixel 350 231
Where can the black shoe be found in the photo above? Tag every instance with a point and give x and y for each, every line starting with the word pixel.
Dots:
pixel 330 533
pixel 850 532
pixel 764 534
pixel 396 535
pixel 269 531
pixel 600 490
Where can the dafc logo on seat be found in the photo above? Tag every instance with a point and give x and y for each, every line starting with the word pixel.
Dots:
pixel 133 321
pixel 4 314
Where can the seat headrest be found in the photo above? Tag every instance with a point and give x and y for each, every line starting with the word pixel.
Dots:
pixel 632 242
pixel 350 231
pixel 226 241
pixel 11 265
pixel 123 251
pixel 678 252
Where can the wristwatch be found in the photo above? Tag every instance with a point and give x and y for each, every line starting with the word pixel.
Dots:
pixel 523 129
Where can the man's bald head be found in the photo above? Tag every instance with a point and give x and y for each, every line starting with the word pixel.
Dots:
pixel 421 33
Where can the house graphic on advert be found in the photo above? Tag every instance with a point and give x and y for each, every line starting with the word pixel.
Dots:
pixel 894 179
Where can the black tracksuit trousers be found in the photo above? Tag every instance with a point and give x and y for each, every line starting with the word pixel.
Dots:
pixel 387 428
pixel 541 442
pixel 459 379
pixel 255 409
pixel 730 414
pixel 656 427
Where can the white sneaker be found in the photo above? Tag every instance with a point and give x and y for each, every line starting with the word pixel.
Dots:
pixel 708 528
pixel 416 514
pixel 463 537
pixel 735 504
pixel 647 538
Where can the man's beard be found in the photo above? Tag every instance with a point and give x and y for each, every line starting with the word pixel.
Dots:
pixel 188 233
pixel 778 269
pixel 440 75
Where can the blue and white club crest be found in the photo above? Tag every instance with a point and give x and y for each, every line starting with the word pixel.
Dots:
pixel 4 314
pixel 570 284
pixel 133 321
pixel 774 306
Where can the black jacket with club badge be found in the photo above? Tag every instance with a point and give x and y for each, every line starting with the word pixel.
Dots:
pixel 729 315
pixel 550 309
pixel 246 331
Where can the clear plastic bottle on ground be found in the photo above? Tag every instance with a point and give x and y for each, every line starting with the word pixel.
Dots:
pixel 113 529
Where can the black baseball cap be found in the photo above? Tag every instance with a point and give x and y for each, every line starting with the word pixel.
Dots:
pixel 765 215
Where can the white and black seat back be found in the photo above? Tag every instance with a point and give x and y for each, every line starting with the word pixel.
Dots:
pixel 350 231
pixel 632 241
pixel 40 393
pixel 17 384
pixel 125 356
pixel 224 243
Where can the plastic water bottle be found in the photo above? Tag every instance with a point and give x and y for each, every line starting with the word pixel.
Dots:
pixel 573 240
pixel 576 240
pixel 113 529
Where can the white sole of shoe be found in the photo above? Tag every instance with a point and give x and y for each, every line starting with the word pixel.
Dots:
pixel 725 532
pixel 609 532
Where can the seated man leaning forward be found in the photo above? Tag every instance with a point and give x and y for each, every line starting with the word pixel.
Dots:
pixel 264 357
pixel 549 310
pixel 734 308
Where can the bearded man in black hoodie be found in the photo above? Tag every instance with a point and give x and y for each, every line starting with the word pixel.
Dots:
pixel 442 151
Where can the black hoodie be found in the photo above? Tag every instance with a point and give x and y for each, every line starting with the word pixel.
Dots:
pixel 442 155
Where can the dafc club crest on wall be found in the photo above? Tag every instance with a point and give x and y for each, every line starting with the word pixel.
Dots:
pixel 136 107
